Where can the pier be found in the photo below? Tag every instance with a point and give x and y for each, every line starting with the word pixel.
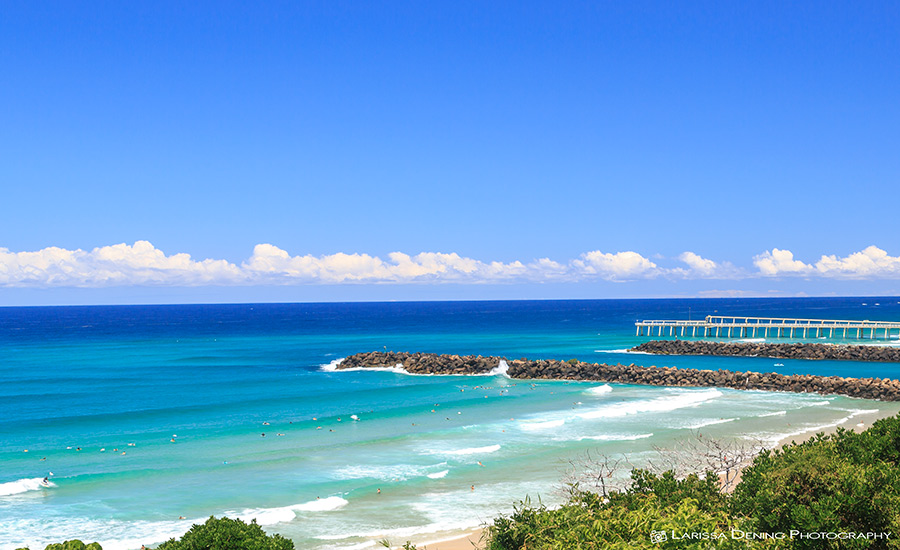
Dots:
pixel 763 327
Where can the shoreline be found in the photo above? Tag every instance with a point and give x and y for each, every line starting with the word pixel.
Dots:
pixel 865 422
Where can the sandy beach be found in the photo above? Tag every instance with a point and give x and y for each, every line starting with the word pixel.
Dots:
pixel 467 541
pixel 857 423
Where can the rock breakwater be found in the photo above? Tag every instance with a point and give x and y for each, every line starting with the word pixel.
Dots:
pixel 427 363
pixel 775 351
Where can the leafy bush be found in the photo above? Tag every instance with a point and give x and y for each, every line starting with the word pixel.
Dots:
pixel 623 521
pixel 74 544
pixel 227 534
pixel 846 482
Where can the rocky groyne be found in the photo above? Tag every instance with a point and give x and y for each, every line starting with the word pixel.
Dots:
pixel 775 351
pixel 427 363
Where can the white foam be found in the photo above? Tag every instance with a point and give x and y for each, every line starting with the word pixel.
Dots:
pixel 776 413
pixel 600 390
pixel 264 516
pixel 752 340
pixel 470 451
pixel 711 422
pixel 332 366
pixel 384 473
pixel 623 350
pixel 284 514
pixel 439 475
pixel 111 534
pixel 321 505
pixel 500 370
pixel 773 439
pixel 615 437
pixel 546 425
pixel 22 486
pixel 660 404
pixel 396 369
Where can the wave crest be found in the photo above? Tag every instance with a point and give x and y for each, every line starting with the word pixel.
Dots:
pixel 660 404
pixel 22 486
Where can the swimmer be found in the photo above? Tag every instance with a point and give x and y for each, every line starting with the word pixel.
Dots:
pixel 379 491
pixel 181 517
pixel 262 435
pixel 265 423
pixel 279 434
pixel 480 464
pixel 172 440
pixel 473 487
pixel 45 458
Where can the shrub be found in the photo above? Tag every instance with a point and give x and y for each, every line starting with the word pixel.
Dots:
pixel 845 482
pixel 623 521
pixel 227 534
pixel 74 544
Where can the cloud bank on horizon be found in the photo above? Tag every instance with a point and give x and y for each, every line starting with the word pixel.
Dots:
pixel 144 264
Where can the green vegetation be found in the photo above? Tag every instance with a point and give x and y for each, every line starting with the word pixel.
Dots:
pixel 845 483
pixel 227 534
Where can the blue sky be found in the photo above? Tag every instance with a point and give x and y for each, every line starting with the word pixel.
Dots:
pixel 531 150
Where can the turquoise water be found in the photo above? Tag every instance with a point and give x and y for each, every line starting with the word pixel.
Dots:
pixel 146 414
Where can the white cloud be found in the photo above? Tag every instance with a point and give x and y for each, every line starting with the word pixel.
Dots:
pixel 780 262
pixel 144 264
pixel 618 266
pixel 699 264
pixel 871 262
pixel 137 264
pixel 272 264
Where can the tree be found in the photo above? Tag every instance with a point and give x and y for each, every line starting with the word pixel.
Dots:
pixel 227 534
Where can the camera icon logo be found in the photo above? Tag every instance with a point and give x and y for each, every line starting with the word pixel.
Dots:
pixel 658 536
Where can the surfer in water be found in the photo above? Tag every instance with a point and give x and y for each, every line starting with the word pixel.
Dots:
pixel 45 482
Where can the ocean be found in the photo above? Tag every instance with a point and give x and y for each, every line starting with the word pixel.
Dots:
pixel 149 414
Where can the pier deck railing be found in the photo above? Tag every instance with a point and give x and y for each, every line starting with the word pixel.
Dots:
pixel 779 327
